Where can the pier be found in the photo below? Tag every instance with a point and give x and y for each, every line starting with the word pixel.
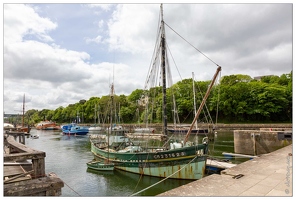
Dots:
pixel 262 141
pixel 24 169
pixel 266 175
pixel 216 166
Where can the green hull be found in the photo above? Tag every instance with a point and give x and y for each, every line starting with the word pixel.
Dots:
pixel 191 160
pixel 99 166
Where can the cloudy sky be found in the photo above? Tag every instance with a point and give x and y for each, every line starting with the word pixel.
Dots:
pixel 58 54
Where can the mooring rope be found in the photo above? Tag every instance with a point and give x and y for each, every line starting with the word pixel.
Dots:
pixel 164 178
pixel 72 189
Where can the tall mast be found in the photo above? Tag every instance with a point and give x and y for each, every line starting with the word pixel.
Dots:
pixel 163 55
pixel 194 103
pixel 23 119
pixel 98 114
pixel 112 100
pixel 95 114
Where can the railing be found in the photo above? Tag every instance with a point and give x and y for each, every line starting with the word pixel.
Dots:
pixel 17 152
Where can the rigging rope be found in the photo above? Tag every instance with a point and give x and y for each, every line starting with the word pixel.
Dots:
pixel 174 60
pixel 191 44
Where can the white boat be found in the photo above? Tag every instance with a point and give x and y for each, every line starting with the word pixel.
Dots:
pixel 95 128
pixel 115 127
pixel 144 130
pixel 8 126
pixel 34 136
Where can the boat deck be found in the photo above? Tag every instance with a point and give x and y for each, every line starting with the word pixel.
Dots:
pixel 13 172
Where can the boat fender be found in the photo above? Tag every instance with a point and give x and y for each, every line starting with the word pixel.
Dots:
pixel 172 146
pixel 205 140
pixel 177 145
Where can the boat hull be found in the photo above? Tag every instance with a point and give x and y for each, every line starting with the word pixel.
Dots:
pixel 185 131
pixel 75 132
pixel 144 130
pixel 95 128
pixel 99 166
pixel 73 129
pixel 191 161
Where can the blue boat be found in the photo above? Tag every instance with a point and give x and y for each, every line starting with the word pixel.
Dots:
pixel 67 126
pixel 74 129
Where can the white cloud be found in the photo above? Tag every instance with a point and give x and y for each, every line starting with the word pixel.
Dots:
pixel 21 20
pixel 97 40
pixel 105 7
pixel 129 26
pixel 58 60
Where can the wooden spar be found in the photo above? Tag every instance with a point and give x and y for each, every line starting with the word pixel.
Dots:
pixel 202 104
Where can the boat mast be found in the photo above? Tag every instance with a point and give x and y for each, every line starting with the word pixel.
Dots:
pixel 23 119
pixel 95 121
pixel 163 50
pixel 112 100
pixel 202 103
pixel 194 103
pixel 98 115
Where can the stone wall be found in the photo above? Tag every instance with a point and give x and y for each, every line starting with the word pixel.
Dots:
pixel 257 142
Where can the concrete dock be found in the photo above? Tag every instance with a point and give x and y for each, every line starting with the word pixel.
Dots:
pixel 267 175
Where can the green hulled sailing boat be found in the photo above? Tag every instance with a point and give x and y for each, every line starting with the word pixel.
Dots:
pixel 177 159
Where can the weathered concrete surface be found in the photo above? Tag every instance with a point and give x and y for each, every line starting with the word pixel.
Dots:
pixel 268 175
pixel 257 142
pixel 219 126
pixel 45 186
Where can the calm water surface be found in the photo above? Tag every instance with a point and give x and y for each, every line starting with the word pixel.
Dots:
pixel 67 156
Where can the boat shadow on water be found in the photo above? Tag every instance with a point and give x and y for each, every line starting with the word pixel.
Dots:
pixel 132 181
pixel 104 173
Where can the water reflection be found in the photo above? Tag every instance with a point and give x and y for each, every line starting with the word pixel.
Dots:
pixel 67 157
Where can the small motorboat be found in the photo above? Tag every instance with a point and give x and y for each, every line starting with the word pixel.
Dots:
pixel 100 166
pixel 34 136
pixel 74 129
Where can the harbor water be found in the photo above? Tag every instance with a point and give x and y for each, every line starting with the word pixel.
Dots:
pixel 67 156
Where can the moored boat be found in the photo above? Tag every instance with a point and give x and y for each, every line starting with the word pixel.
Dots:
pixel 47 125
pixel 8 126
pixel 100 166
pixel 34 136
pixel 175 159
pixel 75 130
pixel 185 130
pixel 95 128
pixel 144 130
pixel 23 128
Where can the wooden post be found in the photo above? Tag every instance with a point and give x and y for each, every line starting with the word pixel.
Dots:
pixel 38 167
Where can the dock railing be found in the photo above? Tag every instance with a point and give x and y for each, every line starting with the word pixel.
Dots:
pixel 17 152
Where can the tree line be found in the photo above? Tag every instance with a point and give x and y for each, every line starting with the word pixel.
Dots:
pixel 235 99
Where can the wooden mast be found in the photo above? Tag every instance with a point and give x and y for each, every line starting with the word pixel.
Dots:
pixel 194 103
pixel 163 55
pixel 23 119
pixel 111 113
pixel 202 104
